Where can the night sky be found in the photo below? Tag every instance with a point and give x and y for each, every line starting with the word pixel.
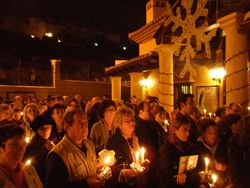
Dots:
pixel 116 16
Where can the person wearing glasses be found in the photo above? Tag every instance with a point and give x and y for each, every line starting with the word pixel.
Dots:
pixel 125 143
pixel 13 173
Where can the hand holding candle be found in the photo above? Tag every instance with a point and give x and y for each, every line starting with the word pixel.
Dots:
pixel 214 178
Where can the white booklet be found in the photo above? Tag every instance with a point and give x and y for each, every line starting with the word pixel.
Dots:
pixel 187 163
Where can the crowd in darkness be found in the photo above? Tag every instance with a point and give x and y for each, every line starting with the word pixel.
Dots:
pixel 55 142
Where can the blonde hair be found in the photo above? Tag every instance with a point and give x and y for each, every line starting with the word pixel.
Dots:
pixel 120 113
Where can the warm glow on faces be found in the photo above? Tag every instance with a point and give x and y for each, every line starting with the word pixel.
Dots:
pixel 189 106
pixel 145 113
pixel 109 113
pixel 210 135
pixel 57 115
pixel 127 125
pixel 79 130
pixel 29 114
pixel 45 131
pixel 11 153
pixel 183 132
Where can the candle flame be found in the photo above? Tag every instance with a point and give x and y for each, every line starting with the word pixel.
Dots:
pixel 206 161
pixel 107 160
pixel 28 162
pixel 27 139
pixel 214 178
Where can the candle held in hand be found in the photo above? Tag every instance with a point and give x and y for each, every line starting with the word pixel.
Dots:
pixel 142 154
pixel 137 156
pixel 206 164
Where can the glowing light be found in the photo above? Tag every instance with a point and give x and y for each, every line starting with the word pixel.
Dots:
pixel 59 40
pixel 248 107
pixel 49 34
pixel 142 154
pixel 21 113
pixel 166 122
pixel 32 36
pixel 28 162
pixel 217 74
pixel 96 44
pixel 206 164
pixel 205 112
pixel 27 139
pixel 146 82
pixel 124 48
pixel 137 155
pixel 210 114
pixel 107 160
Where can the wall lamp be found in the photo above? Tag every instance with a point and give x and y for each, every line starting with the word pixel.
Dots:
pixel 146 82
pixel 217 74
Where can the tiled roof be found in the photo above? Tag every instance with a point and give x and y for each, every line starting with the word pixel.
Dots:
pixel 148 31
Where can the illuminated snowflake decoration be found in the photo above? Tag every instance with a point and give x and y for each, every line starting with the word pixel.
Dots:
pixel 183 45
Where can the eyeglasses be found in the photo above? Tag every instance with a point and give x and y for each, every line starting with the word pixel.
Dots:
pixel 129 121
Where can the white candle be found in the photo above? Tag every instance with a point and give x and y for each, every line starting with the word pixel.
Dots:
pixel 205 112
pixel 137 155
pixel 142 154
pixel 214 178
pixel 210 114
pixel 206 164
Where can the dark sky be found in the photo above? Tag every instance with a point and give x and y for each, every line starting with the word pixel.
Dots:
pixel 118 16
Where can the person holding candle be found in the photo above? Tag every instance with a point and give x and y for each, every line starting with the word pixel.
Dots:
pixel 40 145
pixel 103 129
pixel 209 143
pixel 127 150
pixel 176 146
pixel 14 173
pixel 72 162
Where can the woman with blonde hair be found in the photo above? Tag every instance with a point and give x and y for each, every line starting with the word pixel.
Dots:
pixel 30 112
pixel 125 143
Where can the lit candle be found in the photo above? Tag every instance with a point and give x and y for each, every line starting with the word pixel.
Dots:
pixel 210 114
pixel 205 112
pixel 137 155
pixel 107 160
pixel 28 162
pixel 214 178
pixel 142 154
pixel 206 164
pixel 27 139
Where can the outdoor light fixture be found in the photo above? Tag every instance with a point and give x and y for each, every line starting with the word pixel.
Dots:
pixel 49 34
pixel 217 74
pixel 146 82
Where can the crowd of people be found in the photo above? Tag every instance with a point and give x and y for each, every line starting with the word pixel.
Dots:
pixel 55 143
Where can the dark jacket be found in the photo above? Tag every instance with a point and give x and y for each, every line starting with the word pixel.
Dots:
pixel 169 164
pixel 220 154
pixel 148 137
pixel 124 158
pixel 37 152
